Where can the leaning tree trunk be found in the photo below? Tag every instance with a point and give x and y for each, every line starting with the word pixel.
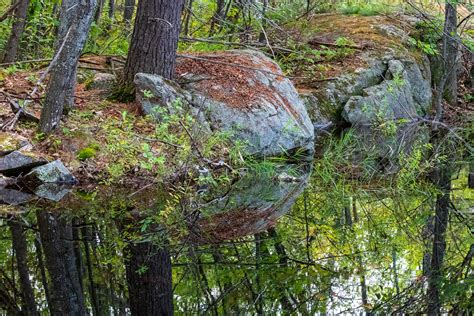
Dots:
pixel 63 70
pixel 21 250
pixel 154 40
pixel 11 49
pixel 57 241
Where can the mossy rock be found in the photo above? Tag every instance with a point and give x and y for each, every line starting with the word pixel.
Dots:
pixel 11 142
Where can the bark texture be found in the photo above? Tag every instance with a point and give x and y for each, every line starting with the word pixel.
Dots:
pixel 155 39
pixel 56 238
pixel 11 49
pixel 72 34
pixel 21 249
pixel 128 10
pixel 149 279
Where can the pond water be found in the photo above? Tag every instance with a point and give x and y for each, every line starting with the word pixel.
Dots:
pixel 336 236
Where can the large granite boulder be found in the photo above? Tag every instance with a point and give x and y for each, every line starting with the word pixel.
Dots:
pixel 243 93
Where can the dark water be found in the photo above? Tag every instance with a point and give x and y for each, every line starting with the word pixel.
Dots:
pixel 333 237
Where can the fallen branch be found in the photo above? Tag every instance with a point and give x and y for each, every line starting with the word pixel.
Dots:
pixel 316 42
pixel 248 45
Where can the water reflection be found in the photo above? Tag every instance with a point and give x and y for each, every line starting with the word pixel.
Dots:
pixel 294 242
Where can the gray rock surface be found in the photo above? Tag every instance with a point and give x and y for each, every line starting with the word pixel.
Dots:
pixel 403 94
pixel 15 197
pixel 19 162
pixel 53 172
pixel 273 122
pixel 102 81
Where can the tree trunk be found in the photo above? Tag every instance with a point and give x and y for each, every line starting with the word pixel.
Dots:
pixel 21 250
pixel 11 49
pixel 443 182
pixel 148 270
pixel 62 80
pixel 218 16
pixel 56 238
pixel 448 81
pixel 155 39
pixel 111 11
pixel 98 11
pixel 44 279
pixel 128 10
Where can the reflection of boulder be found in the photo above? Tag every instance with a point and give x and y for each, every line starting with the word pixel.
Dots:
pixel 383 149
pixel 252 205
pixel 243 93
pixel 15 197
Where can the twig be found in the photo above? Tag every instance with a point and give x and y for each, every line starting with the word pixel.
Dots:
pixel 316 42
pixel 9 11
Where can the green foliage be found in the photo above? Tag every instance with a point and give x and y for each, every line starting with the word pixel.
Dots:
pixel 87 153
pixel 427 48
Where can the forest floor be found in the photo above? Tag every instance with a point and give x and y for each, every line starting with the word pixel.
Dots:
pixel 102 141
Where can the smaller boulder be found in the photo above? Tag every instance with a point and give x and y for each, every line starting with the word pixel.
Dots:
pixel 52 191
pixel 101 81
pixel 53 172
pixel 19 162
pixel 11 142
pixel 4 181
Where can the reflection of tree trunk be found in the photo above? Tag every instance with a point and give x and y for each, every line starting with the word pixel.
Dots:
pixel 283 260
pixel 44 279
pixel 443 181
pixel 56 239
pixel 21 249
pixel 395 272
pixel 87 236
pixel 200 274
pixel 427 235
pixel 258 260
pixel 148 268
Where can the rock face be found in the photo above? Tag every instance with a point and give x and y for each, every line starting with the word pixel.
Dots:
pixel 19 162
pixel 243 93
pixel 386 82
pixel 403 93
pixel 54 173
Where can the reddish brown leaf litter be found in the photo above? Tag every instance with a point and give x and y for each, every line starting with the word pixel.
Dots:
pixel 233 79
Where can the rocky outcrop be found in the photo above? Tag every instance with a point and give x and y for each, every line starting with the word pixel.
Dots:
pixel 390 81
pixel 243 93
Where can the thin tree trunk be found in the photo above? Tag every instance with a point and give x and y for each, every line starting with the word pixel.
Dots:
pixel 92 287
pixel 154 40
pixel 111 11
pixel 11 49
pixel 56 238
pixel 21 249
pixel 217 17
pixel 98 11
pixel 44 279
pixel 62 80
pixel 448 78
pixel 128 10
pixel 443 182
